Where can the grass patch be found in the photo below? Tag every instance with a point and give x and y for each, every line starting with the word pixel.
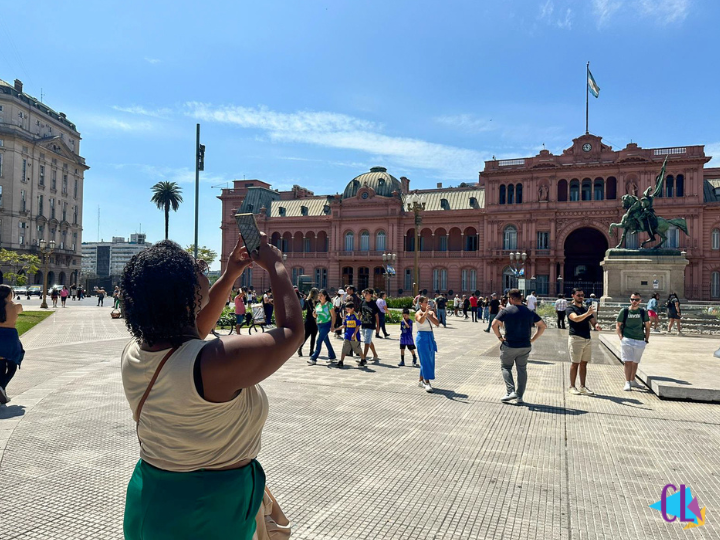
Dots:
pixel 546 310
pixel 28 319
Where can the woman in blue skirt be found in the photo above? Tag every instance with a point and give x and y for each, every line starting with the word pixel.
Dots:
pixel 425 342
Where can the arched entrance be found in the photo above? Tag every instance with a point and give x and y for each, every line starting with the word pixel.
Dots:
pixel 584 249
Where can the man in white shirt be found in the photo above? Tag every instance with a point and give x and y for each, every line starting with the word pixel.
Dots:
pixel 456 304
pixel 532 301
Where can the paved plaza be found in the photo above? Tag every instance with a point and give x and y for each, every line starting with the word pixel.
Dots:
pixel 365 453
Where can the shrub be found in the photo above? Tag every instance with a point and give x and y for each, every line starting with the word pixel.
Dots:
pixel 546 310
pixel 400 302
pixel 393 316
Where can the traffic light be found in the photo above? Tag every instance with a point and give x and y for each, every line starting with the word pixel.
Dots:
pixel 201 157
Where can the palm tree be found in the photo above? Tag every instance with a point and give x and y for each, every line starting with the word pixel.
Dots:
pixel 166 195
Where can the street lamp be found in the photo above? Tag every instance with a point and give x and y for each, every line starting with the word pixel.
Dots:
pixel 559 284
pixel 389 264
pixel 517 264
pixel 416 204
pixel 46 249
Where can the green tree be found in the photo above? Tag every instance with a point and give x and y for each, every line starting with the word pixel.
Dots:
pixel 204 253
pixel 167 195
pixel 22 266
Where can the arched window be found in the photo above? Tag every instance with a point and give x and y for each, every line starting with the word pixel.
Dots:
pixel 679 185
pixel 349 241
pixel 501 199
pixel 380 241
pixel 715 237
pixel 510 237
pixel 586 189
pixel 511 194
pixel 715 285
pixel 364 241
pixel 669 186
pixel 509 279
pixel 611 188
pixel 562 188
pixel 575 189
pixel 518 193
pixel 599 189
pixel 673 237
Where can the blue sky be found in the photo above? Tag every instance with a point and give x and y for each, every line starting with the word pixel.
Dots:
pixel 315 93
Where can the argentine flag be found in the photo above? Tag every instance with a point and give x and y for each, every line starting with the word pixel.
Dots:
pixel 592 85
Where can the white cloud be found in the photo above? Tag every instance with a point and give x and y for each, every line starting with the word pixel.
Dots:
pixel 111 123
pixel 333 130
pixel 546 10
pixel 181 175
pixel 565 22
pixel 142 111
pixel 604 9
pixel 466 122
pixel 152 60
pixel 665 11
pixel 714 151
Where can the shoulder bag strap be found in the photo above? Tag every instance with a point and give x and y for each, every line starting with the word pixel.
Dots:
pixel 147 390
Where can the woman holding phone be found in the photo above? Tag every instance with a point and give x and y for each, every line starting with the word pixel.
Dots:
pixel 425 343
pixel 198 405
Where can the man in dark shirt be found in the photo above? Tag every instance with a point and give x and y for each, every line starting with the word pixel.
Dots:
pixel 494 310
pixel 370 319
pixel 516 345
pixel 580 319
pixel 440 305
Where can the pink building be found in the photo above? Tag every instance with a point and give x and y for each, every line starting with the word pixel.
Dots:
pixel 555 208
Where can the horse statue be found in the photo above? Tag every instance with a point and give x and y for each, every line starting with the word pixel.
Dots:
pixel 640 216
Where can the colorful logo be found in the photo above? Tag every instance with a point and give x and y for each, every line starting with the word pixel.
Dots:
pixel 680 505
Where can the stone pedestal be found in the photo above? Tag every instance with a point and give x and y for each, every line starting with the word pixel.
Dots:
pixel 643 270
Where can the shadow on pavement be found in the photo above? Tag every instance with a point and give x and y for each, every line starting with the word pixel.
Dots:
pixel 450 394
pixel 11 411
pixel 652 378
pixel 540 362
pixel 554 410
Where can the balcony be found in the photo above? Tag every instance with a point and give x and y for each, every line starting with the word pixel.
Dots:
pixel 306 254
pixel 361 254
pixel 445 254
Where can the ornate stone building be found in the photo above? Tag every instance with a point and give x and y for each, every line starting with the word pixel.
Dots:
pixel 554 208
pixel 41 182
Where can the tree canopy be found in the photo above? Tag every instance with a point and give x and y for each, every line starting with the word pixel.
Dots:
pixel 22 266
pixel 167 195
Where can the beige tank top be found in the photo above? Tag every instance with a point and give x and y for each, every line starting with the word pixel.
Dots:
pixel 179 430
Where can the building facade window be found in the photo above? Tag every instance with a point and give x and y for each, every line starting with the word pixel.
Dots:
pixel 64 184
pixel 511 194
pixel 715 239
pixel 364 241
pixel 75 185
pixel 53 184
pixel 543 240
pixel 575 190
pixel 586 189
pixel 501 198
pixel 611 188
pixel 297 271
pixel 349 241
pixel 1 168
pixel 599 189
pixel 52 208
pixel 40 205
pixel 321 278
pixel 306 245
pixel 673 237
pixel 408 279
pixel 562 191
pixel 41 181
pixel 679 185
pixel 715 285
pixel 510 237
pixel 518 194
pixel 669 186
pixel 439 279
pixel 442 242
pixel 542 284
pixel 380 241
pixel 471 242
pixel 24 170
pixel 468 279
pixel 23 203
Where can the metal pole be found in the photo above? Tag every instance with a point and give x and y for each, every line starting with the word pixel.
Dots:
pixel 46 256
pixel 197 186
pixel 416 285
pixel 587 91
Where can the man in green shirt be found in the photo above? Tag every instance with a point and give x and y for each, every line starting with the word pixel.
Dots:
pixel 633 329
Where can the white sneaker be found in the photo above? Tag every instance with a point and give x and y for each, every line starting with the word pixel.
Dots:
pixel 428 388
pixel 421 384
pixel 584 390
pixel 635 384
pixel 574 391
pixel 627 386
pixel 509 397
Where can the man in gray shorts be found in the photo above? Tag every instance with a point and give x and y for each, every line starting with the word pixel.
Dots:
pixel 580 319
pixel 516 345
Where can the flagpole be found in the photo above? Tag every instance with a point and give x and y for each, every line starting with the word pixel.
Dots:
pixel 587 91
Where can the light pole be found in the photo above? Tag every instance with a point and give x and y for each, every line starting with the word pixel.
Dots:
pixel 389 264
pixel 517 264
pixel 416 204
pixel 559 284
pixel 46 249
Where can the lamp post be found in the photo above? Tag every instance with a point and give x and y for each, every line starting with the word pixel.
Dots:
pixel 46 249
pixel 517 264
pixel 389 264
pixel 416 204
pixel 559 284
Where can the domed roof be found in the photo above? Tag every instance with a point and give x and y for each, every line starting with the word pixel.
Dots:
pixel 378 179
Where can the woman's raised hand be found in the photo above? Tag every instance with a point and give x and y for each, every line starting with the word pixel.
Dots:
pixel 268 255
pixel 239 258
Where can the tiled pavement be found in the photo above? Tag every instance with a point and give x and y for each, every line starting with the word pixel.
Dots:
pixel 366 454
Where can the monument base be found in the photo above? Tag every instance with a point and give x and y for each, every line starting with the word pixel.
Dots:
pixel 646 271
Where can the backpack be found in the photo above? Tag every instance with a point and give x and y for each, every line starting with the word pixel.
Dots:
pixel 625 315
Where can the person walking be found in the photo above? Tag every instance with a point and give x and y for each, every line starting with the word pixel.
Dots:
pixel 486 309
pixel 116 298
pixel 633 329
pixel 73 291
pixel 383 307
pixel 11 350
pixel 240 311
pixel 325 319
pixel 338 303
pixel 370 318
pixel 425 343
pixel 54 297
pixel 456 304
pixel 581 319
pixel 311 327
pixel 673 312
pixel 441 305
pixel 465 305
pixel 351 327
pixel 473 307
pixel 560 309
pixel 406 338
pixel 532 301
pixel 516 345
pixel 268 305
pixel 494 310
pixel 64 293
pixel 101 296
pixel 204 396
pixel 652 308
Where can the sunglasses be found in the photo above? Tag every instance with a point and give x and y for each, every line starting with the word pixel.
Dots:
pixel 202 267
pixel 580 296
pixel 635 299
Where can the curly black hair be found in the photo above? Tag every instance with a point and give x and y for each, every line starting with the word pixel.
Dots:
pixel 5 291
pixel 158 290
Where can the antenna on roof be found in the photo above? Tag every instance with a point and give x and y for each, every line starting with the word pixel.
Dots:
pixel 220 185
pixel 41 95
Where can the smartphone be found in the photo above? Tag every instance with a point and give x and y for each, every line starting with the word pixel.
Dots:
pixel 249 231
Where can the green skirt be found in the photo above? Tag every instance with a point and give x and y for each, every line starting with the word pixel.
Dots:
pixel 207 505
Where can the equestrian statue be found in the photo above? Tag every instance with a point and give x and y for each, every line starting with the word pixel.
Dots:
pixel 640 215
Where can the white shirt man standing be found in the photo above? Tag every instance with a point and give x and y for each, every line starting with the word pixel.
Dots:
pixel 532 301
